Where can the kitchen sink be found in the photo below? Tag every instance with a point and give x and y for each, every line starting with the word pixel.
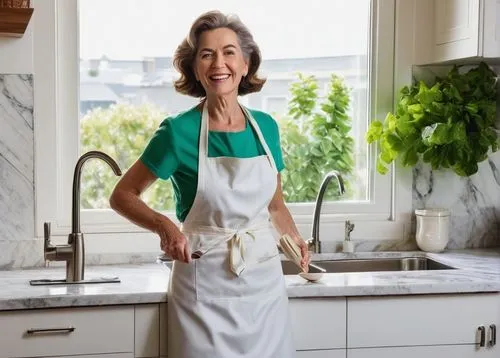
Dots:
pixel 358 265
pixel 370 265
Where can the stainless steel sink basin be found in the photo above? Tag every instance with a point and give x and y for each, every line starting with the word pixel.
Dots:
pixel 371 265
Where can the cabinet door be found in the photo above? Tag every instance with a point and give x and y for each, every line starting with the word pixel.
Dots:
pixel 318 323
pixel 456 29
pixel 419 320
pixel 453 351
pixel 334 353
pixel 163 329
pixel 491 28
pixel 146 330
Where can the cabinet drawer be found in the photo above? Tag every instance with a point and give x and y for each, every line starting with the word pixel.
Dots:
pixel 334 353
pixel 418 320
pixel 90 330
pixel 318 323
pixel 117 355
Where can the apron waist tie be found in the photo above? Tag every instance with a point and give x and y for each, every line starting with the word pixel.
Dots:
pixel 234 239
pixel 237 252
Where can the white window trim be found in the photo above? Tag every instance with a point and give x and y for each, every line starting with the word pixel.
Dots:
pixel 386 217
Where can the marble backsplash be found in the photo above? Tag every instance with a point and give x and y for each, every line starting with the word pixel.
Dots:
pixel 16 171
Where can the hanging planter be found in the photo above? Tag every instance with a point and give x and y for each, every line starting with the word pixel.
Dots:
pixel 14 17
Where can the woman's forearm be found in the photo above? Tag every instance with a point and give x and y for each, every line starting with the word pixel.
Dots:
pixel 283 222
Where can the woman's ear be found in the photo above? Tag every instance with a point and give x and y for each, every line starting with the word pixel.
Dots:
pixel 245 70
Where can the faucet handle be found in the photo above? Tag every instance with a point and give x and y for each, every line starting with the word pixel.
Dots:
pixel 48 248
pixel 348 229
pixel 46 231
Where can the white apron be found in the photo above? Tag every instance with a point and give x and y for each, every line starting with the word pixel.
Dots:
pixel 231 302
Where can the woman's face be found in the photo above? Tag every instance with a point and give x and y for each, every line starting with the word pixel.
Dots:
pixel 219 63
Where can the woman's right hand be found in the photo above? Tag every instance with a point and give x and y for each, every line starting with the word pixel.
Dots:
pixel 172 241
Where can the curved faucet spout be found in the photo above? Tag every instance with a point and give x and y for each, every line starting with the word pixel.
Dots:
pixel 75 208
pixel 314 241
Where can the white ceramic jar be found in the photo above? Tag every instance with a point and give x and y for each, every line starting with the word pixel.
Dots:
pixel 432 229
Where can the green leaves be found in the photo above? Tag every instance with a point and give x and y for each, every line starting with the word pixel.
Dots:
pixel 316 139
pixel 449 125
pixel 122 131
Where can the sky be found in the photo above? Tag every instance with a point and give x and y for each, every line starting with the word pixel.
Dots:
pixel 133 29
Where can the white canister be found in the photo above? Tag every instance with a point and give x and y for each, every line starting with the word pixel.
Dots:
pixel 432 229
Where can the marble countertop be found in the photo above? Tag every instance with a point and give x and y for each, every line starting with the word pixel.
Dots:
pixel 476 271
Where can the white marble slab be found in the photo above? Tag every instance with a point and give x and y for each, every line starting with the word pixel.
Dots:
pixel 479 271
pixel 16 122
pixel 17 210
pixel 16 169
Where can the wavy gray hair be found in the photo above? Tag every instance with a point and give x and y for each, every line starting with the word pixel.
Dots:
pixel 185 54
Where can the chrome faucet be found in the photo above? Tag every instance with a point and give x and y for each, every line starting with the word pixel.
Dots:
pixel 74 251
pixel 314 243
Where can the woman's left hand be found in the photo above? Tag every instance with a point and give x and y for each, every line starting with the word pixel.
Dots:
pixel 304 250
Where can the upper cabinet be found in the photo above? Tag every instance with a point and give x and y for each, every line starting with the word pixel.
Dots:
pixel 491 28
pixel 449 30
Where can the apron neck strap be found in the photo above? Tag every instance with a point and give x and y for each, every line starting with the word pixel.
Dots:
pixel 203 142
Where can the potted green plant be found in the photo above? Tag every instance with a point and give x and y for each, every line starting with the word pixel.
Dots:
pixel 449 125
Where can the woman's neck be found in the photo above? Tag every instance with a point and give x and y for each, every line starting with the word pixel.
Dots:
pixel 225 113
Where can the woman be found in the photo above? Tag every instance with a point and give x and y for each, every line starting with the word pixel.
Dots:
pixel 227 295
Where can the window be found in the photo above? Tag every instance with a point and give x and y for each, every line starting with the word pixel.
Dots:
pixel 116 67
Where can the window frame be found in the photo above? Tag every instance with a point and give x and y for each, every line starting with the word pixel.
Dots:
pixel 56 66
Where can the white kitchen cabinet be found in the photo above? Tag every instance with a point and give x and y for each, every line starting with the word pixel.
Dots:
pixel 466 28
pixel 448 30
pixel 318 323
pixel 67 331
pixel 334 353
pixel 147 330
pixel 163 329
pixel 423 321
pixel 457 351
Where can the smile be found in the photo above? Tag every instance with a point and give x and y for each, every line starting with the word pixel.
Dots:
pixel 219 77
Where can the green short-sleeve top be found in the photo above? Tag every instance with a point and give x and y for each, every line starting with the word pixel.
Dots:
pixel 172 152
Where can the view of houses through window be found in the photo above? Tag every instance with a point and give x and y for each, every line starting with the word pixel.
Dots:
pixel 317 89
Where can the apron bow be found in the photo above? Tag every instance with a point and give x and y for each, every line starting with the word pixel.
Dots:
pixel 237 252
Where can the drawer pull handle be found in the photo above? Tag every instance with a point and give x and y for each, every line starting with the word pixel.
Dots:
pixel 32 331
pixel 493 335
pixel 482 340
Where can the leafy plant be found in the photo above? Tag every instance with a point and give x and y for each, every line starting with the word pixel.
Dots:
pixel 315 138
pixel 449 125
pixel 122 131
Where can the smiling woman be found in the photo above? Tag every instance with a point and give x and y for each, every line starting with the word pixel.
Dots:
pixel 226 271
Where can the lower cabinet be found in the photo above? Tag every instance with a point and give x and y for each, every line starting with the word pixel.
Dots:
pixel 118 355
pixel 146 330
pixel 452 351
pixel 86 332
pixel 430 326
pixel 458 326
pixel 150 330
pixel 318 324
pixel 334 353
